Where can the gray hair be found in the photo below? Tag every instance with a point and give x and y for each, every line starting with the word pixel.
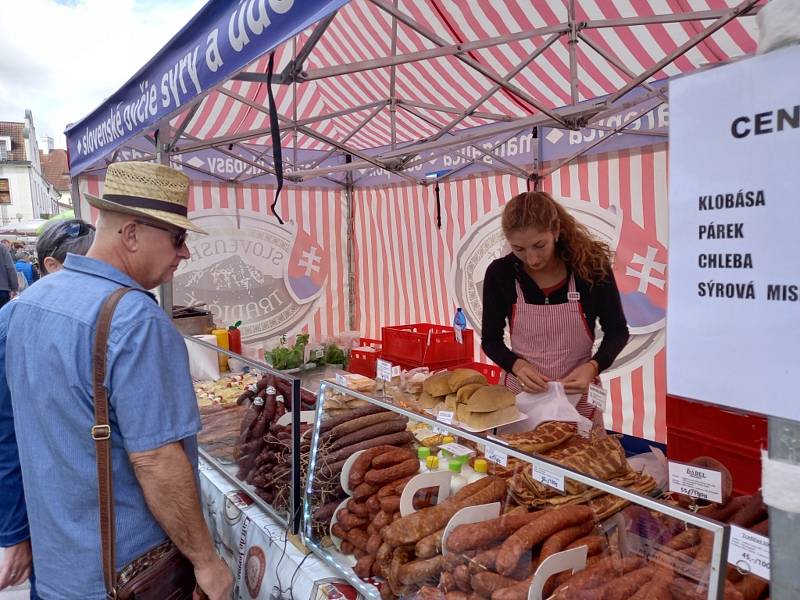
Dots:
pixel 62 237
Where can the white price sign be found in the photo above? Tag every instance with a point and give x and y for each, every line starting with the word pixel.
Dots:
pixel 597 397
pixel 440 430
pixel 457 449
pixel 341 380
pixel 548 476
pixel 445 416
pixel 396 370
pixel 749 552
pixel 696 482
pixel 384 370
pixel 496 456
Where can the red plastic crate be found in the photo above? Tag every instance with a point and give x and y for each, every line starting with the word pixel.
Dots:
pixel 733 438
pixel 426 345
pixel 364 362
pixel 491 372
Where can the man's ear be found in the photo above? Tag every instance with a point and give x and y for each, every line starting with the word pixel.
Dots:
pixel 127 233
pixel 51 265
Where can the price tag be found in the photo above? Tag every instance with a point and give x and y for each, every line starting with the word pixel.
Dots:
pixel 440 430
pixel 749 552
pixel 396 370
pixel 457 449
pixel 384 370
pixel 445 416
pixel 597 397
pixel 341 379
pixel 548 476
pixel 695 482
pixel 496 456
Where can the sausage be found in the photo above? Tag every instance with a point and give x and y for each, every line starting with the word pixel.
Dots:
pixel 330 422
pixel 363 568
pixel 347 547
pixel 362 463
pixel 658 589
pixel 751 513
pixel 752 587
pixel 559 540
pixel 484 560
pixel 461 578
pixel 597 574
pixel 518 591
pixel 684 589
pixel 383 476
pixel 394 439
pixel 596 544
pixel 381 520
pixel 535 532
pixel 348 520
pixel 359 424
pixel 625 586
pixel 390 489
pixel 457 595
pixel 416 526
pixel 761 528
pixel 447 583
pixel 262 423
pixel 338 531
pixel 363 490
pixel 373 543
pixel 686 538
pixel 476 535
pixel 367 433
pixel 373 504
pixel 359 539
pixel 384 552
pixel 419 571
pixel 725 512
pixel 390 504
pixel 359 509
pixel 392 457
pixel 400 556
pixel 324 513
pixel 430 545
pixel 486 584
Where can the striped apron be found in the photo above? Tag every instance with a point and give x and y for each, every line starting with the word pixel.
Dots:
pixel 554 338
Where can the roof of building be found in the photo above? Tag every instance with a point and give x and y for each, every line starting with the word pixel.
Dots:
pixel 55 169
pixel 16 131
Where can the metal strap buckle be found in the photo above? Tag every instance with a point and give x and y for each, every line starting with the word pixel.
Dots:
pixel 101 432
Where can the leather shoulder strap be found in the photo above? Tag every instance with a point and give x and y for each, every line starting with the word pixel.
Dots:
pixel 101 434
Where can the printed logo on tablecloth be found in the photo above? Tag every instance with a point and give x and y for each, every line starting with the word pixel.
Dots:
pixel 255 566
pixel 333 589
pixel 235 503
pixel 639 267
pixel 267 276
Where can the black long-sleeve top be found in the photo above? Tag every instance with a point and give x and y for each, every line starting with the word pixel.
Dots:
pixel 599 301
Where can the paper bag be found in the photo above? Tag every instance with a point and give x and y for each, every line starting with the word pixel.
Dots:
pixel 203 362
pixel 550 405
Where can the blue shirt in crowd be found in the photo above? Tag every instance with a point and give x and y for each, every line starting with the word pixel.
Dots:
pixel 46 338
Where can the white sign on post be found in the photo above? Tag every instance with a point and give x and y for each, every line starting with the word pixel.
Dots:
pixel 384 370
pixel 749 552
pixel 734 283
pixel 695 482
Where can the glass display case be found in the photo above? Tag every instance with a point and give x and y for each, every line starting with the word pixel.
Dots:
pixel 408 496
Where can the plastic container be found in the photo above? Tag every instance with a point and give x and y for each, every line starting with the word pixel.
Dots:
pixel 733 438
pixel 457 480
pixel 459 325
pixel 423 453
pixel 365 362
pixel 235 340
pixel 222 342
pixel 426 345
pixel 480 469
pixel 432 463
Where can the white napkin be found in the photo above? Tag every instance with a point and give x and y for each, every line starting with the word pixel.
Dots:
pixel 203 362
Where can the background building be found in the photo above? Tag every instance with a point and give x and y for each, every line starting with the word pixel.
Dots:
pixel 25 193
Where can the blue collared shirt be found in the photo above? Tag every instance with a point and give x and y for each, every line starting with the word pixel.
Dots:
pixel 46 337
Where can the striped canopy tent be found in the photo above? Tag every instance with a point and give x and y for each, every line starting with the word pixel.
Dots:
pixel 404 125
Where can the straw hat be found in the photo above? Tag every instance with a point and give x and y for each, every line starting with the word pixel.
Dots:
pixel 147 190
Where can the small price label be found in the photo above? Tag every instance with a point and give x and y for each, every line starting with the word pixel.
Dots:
pixel 496 456
pixel 695 482
pixel 445 416
pixel 384 370
pixel 597 397
pixel 396 370
pixel 457 449
pixel 749 552
pixel 341 380
pixel 440 430
pixel 547 476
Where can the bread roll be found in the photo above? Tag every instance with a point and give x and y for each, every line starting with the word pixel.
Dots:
pixel 466 392
pixel 450 402
pixel 461 377
pixel 490 398
pixel 437 385
pixel 486 420
pixel 427 401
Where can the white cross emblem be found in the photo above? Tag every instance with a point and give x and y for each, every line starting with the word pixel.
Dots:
pixel 649 264
pixel 310 260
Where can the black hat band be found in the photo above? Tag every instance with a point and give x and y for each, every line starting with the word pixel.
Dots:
pixel 147 203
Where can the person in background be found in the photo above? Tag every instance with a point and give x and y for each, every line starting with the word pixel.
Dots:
pixel 16 249
pixel 24 266
pixel 552 289
pixel 59 238
pixel 8 276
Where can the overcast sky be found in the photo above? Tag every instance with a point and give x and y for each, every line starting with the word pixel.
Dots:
pixel 61 58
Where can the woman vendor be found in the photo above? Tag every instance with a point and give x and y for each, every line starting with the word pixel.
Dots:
pixel 552 289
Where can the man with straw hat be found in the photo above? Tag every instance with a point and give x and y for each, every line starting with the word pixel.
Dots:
pixel 152 411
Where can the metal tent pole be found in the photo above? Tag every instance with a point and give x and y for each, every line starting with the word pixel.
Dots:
pixel 784 527
pixel 75 184
pixel 351 270
pixel 162 157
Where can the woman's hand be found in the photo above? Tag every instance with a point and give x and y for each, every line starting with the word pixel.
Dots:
pixel 579 380
pixel 529 377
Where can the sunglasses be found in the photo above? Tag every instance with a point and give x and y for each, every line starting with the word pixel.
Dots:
pixel 178 236
pixel 74 230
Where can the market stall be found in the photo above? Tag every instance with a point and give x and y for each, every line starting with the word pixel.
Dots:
pixel 404 130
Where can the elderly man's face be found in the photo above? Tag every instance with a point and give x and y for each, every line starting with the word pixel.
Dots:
pixel 162 249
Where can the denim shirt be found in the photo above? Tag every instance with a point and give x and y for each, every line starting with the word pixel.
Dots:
pixel 49 332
